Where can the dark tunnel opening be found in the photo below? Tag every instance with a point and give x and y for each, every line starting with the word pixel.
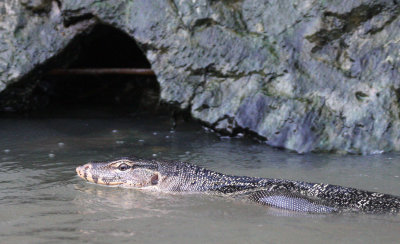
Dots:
pixel 101 47
pixel 108 47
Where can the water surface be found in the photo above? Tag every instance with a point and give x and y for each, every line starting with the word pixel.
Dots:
pixel 43 201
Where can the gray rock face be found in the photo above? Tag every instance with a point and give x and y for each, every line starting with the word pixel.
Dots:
pixel 305 75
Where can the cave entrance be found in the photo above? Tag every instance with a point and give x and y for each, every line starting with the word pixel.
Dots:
pixel 103 67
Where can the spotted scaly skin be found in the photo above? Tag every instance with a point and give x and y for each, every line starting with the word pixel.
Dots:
pixel 282 194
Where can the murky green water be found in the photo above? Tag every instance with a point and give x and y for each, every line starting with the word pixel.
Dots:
pixel 43 201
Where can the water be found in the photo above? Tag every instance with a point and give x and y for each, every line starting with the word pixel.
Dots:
pixel 43 201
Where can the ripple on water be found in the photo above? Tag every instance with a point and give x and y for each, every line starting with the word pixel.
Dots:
pixel 42 200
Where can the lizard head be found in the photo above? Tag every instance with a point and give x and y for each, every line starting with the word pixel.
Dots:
pixel 122 172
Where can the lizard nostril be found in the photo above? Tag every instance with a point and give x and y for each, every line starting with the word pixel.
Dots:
pixel 78 170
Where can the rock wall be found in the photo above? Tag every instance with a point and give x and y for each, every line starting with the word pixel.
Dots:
pixel 304 75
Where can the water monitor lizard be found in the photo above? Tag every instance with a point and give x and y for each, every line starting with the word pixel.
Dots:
pixel 282 194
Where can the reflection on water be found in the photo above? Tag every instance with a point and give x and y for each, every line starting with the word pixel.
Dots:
pixel 43 201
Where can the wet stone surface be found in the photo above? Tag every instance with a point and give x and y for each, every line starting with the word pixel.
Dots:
pixel 303 75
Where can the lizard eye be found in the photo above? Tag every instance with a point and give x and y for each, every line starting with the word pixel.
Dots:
pixel 123 167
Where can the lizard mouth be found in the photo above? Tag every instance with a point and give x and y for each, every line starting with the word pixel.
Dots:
pixel 81 172
pixel 84 172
